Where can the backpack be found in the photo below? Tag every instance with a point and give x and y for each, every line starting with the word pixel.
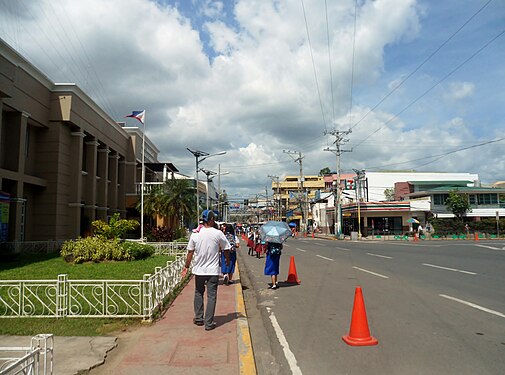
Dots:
pixel 275 248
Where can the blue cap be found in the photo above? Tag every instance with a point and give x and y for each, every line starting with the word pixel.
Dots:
pixel 208 215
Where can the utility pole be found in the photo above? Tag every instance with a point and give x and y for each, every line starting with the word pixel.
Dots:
pixel 276 178
pixel 359 177
pixel 303 224
pixel 339 140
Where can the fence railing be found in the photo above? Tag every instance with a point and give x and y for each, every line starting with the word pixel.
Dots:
pixel 35 359
pixel 94 298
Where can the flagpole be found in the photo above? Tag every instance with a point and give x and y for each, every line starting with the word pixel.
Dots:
pixel 143 182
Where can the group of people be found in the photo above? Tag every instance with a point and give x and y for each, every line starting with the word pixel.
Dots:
pixel 213 251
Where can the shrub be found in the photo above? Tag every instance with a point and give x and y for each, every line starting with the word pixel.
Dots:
pixel 137 250
pixel 93 249
pixel 115 229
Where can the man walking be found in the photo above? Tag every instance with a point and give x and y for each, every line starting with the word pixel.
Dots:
pixel 205 246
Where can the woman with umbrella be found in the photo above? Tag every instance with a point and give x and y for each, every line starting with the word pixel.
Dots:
pixel 274 233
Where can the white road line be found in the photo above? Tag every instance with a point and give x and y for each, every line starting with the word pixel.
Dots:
pixel 320 256
pixel 449 269
pixel 473 305
pixel 490 247
pixel 380 256
pixel 301 250
pixel 342 248
pixel 319 244
pixel 290 357
pixel 373 273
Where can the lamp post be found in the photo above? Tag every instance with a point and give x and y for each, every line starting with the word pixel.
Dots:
pixel 210 176
pixel 199 157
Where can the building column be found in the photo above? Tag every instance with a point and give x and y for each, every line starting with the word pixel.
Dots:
pixel 90 189
pixel 76 184
pixel 102 183
pixel 113 182
pixel 19 201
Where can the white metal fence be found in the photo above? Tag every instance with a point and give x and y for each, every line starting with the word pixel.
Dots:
pixel 33 360
pixel 94 298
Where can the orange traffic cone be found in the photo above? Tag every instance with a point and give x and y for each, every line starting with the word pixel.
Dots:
pixel 292 276
pixel 312 234
pixel 359 334
pixel 476 237
pixel 415 237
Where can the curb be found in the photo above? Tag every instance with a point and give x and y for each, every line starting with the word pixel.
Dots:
pixel 246 355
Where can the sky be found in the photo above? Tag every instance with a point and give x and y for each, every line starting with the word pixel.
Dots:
pixel 419 84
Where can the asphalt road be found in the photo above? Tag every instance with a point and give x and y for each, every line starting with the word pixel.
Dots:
pixel 436 307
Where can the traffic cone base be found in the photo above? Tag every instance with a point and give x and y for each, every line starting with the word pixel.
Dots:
pixel 292 276
pixel 369 341
pixel 359 333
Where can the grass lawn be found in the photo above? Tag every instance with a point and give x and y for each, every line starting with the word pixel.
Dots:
pixel 48 267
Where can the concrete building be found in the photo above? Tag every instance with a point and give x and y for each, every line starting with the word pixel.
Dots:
pixel 63 161
pixel 293 197
pixel 383 202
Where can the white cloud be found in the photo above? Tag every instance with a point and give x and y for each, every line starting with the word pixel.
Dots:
pixel 257 96
pixel 460 90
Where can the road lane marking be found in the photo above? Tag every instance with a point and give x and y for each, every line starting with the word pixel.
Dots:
pixel 380 256
pixel 473 305
pixel 319 244
pixel 301 250
pixel 342 248
pixel 490 247
pixel 449 269
pixel 320 256
pixel 370 272
pixel 290 357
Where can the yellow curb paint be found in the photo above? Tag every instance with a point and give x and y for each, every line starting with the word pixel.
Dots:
pixel 246 356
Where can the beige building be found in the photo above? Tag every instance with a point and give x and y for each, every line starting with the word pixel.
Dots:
pixel 63 161
pixel 294 197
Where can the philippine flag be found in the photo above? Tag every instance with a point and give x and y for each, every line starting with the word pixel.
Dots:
pixel 139 115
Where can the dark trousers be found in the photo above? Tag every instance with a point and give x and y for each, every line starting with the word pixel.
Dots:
pixel 200 282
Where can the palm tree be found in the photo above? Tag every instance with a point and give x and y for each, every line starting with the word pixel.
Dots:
pixel 171 202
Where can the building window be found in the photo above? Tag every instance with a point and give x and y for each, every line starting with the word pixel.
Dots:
pixel 472 199
pixel 487 199
pixel 439 199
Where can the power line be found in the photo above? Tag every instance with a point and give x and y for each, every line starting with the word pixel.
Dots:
pixel 313 64
pixel 420 65
pixel 439 156
pixel 435 85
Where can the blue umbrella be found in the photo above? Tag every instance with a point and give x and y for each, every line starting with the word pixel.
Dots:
pixel 275 231
pixel 292 224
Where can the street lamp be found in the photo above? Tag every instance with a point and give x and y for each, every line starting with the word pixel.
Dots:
pixel 199 157
pixel 210 175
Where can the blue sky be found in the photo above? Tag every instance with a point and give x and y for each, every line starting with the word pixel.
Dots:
pixel 241 76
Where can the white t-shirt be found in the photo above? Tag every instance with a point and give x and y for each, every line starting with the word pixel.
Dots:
pixel 206 244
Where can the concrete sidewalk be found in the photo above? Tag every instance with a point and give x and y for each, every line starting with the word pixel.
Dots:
pixel 175 345
pixel 171 345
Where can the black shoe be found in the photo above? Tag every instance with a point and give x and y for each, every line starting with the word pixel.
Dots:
pixel 211 327
pixel 275 286
pixel 198 322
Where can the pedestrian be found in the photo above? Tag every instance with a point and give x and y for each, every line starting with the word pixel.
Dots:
pixel 205 246
pixel 258 244
pixel 229 269
pixel 250 242
pixel 274 251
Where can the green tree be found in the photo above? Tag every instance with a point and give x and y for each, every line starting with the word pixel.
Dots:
pixel 324 171
pixel 458 204
pixel 171 201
